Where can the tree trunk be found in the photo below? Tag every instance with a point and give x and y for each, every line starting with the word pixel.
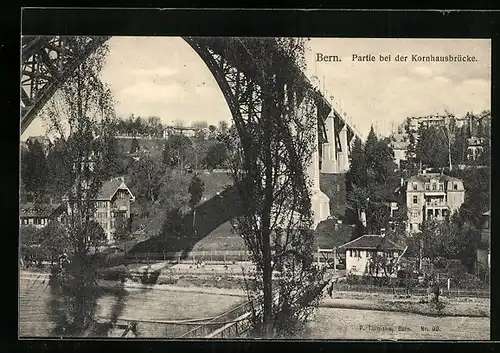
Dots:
pixel 449 152
pixel 194 221
pixel 266 218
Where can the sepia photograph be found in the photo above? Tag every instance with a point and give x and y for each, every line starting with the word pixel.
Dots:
pixel 205 187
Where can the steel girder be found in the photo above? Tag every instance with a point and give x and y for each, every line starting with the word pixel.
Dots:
pixel 234 62
pixel 46 63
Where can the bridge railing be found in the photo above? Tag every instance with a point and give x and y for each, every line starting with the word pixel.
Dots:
pixel 240 314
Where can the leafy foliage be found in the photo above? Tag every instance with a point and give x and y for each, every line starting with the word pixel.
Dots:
pixel 196 189
pixel 34 169
pixel 81 114
pixel 432 149
pixel 147 177
pixel 269 162
pixel 217 156
pixel 134 146
pixel 177 151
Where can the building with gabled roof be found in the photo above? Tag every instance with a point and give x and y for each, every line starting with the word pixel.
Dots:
pixel 112 206
pixel 430 195
pixel 39 215
pixel 363 255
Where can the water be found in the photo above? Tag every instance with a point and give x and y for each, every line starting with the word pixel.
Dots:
pixel 38 301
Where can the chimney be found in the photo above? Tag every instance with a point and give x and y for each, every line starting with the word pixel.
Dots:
pixel 382 232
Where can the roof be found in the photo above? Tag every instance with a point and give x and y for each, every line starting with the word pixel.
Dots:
pixel 109 188
pixel 369 241
pixel 41 139
pixel 423 178
pixel 29 210
pixel 399 145
pixel 399 137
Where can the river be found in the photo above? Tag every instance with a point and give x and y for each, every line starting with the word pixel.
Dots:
pixel 38 301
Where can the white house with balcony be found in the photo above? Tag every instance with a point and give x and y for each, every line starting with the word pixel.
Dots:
pixel 430 195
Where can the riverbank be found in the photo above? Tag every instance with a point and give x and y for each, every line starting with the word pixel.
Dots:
pixel 453 307
pixel 352 324
pixel 474 307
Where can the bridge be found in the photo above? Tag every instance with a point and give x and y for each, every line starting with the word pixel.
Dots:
pixel 235 63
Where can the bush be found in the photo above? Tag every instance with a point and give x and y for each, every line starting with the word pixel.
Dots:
pixel 119 273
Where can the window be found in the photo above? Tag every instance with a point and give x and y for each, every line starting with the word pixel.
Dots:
pixel 427 187
pixel 415 199
pixel 414 213
pixel 455 186
pixel 434 186
pixel 338 188
pixel 101 215
pixel 414 186
pixel 441 187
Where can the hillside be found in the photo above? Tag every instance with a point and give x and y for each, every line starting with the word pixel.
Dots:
pixel 144 144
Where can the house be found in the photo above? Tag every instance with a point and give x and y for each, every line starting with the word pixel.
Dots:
pixel 112 206
pixel 372 255
pixel 399 149
pixel 39 215
pixel 428 120
pixel 484 249
pixel 474 148
pixel 429 195
pixel 180 130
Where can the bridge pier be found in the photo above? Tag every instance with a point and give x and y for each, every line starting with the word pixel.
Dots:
pixel 335 156
pixel 320 203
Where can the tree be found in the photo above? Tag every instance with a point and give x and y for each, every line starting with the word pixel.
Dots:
pixel 269 163
pixel 29 240
pixel 357 174
pixel 154 126
pixel 81 114
pixel 53 241
pixel 335 234
pixel 382 162
pixel 174 194
pixel 370 145
pixel 377 217
pixel 459 147
pixel 59 166
pixel 357 199
pixel 177 151
pixel 121 226
pixel 147 177
pixel 432 149
pixel 216 156
pixel 174 200
pixel 439 241
pixel 34 170
pixel 396 231
pixel 199 125
pixel 212 128
pixel 196 189
pixel 412 163
pixel 223 126
pixel 134 146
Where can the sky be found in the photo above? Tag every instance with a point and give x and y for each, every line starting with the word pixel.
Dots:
pixel 164 77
